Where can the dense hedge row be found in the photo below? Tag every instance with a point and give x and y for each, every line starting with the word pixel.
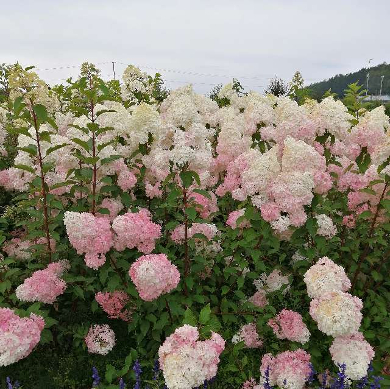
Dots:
pixel 171 239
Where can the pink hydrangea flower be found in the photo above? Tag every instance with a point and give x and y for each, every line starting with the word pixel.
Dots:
pixel 136 230
pixel 204 205
pixel 270 212
pixel 44 285
pixel 90 235
pixel 353 351
pixel 126 180
pixel 259 299
pixel 18 248
pixel 187 362
pixel 349 221
pixel 248 334
pixel 18 336
pixel 251 384
pixel 232 219
pixel 113 205
pixel 289 325
pixel 289 369
pixel 100 339
pixel 206 229
pixel 154 275
pixel 153 191
pixel 326 276
pixel 337 313
pixel 113 303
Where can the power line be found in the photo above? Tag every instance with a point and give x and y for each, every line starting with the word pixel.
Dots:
pixel 175 71
pixel 206 83
pixel 160 69
pixel 200 74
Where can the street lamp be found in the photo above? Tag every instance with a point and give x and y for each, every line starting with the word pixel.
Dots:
pixel 368 74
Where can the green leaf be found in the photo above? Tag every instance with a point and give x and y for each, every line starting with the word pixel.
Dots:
pixel 41 112
pixel 45 136
pixel 145 325
pixel 78 292
pixel 30 149
pixel 26 168
pixel 83 144
pixel 189 318
pixel 5 285
pixel 110 159
pixel 187 178
pixel 386 204
pixel 87 173
pixel 94 306
pixel 105 91
pixel 368 190
pixel 204 315
pixel 54 148
pixel 104 211
pixel 105 144
pixel 110 372
pixel 18 105
pixel 46 336
pixel 203 192
pixel 104 111
pixel 190 282
pixel 126 199
pixel 191 213
pixel 49 322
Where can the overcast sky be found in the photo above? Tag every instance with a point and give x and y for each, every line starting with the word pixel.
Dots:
pixel 252 40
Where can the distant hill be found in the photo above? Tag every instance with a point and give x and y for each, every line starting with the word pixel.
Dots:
pixel 339 82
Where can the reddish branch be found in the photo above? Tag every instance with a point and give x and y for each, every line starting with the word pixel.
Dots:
pixel 114 265
pixel 169 311
pixel 373 267
pixel 370 233
pixel 186 259
pixel 94 178
pixel 43 185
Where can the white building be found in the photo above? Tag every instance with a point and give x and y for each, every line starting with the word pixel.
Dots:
pixel 383 98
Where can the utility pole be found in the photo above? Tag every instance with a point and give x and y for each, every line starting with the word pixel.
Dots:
pixel 380 92
pixel 113 68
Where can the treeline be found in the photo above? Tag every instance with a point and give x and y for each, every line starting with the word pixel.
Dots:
pixel 340 82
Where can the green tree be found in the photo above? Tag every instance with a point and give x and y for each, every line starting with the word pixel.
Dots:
pixel 277 87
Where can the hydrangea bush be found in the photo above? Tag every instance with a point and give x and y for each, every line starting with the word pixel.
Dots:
pixel 240 241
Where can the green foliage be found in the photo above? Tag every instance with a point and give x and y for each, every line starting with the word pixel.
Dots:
pixel 340 82
pixel 353 100
pixel 277 87
pixel 215 285
pixel 224 101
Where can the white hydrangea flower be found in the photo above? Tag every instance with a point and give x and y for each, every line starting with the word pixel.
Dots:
pixel 325 276
pixel 326 227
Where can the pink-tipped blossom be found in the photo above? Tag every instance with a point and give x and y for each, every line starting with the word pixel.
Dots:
pixel 289 325
pixel 89 235
pixel 18 336
pixel 135 230
pixel 326 276
pixel 100 339
pixel 354 352
pixel 113 303
pixel 234 216
pixel 154 275
pixel 248 334
pixel 44 285
pixel 186 361
pixel 288 370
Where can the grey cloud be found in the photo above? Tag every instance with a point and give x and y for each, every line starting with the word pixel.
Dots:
pixel 254 39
